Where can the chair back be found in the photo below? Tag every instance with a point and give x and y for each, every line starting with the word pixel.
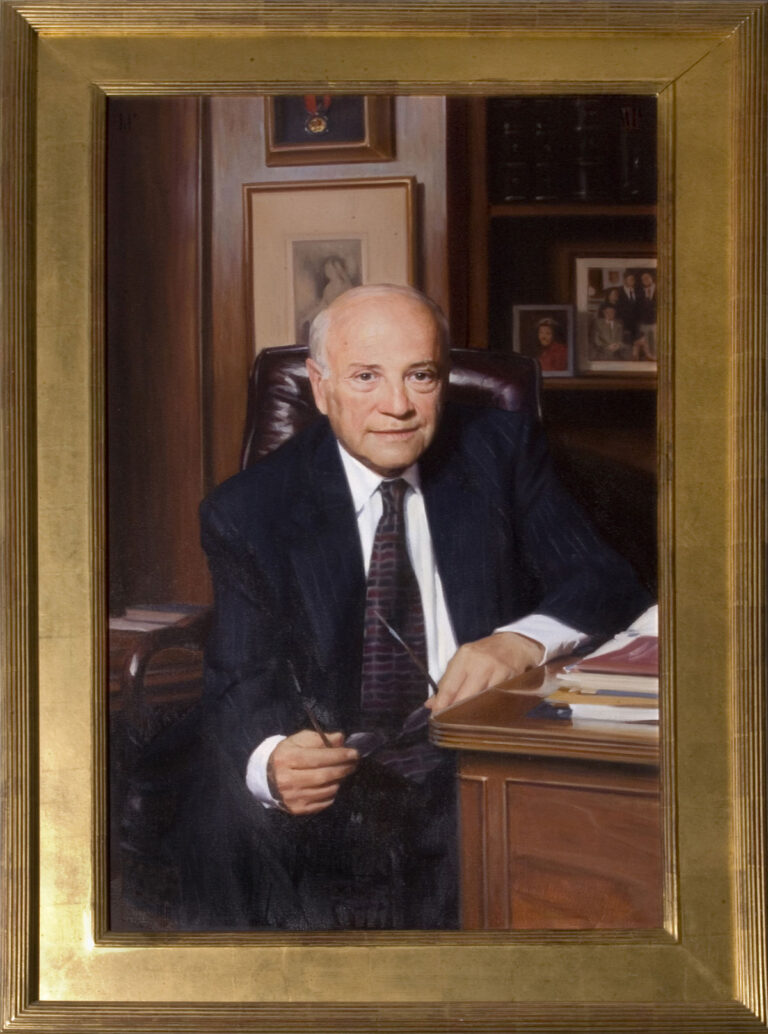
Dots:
pixel 280 399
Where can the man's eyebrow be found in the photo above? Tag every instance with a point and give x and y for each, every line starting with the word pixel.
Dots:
pixel 419 364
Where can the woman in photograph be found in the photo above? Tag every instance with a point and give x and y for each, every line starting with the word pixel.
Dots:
pixel 332 279
pixel 552 351
pixel 337 280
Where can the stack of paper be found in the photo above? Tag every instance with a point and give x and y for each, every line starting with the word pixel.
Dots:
pixel 149 616
pixel 618 683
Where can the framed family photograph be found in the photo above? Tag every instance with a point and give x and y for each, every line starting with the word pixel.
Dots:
pixel 308 242
pixel 329 128
pixel 249 274
pixel 616 305
pixel 545 332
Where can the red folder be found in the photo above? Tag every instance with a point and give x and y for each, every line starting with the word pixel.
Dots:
pixel 638 657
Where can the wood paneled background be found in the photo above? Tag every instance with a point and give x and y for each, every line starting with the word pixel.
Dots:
pixel 155 350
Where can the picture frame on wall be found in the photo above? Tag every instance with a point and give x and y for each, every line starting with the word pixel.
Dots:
pixel 616 314
pixel 329 128
pixel 545 332
pixel 307 242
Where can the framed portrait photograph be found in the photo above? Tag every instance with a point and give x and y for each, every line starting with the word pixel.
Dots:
pixel 329 128
pixel 308 242
pixel 252 256
pixel 545 332
pixel 616 305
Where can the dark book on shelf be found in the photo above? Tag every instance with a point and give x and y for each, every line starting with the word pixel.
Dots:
pixel 593 148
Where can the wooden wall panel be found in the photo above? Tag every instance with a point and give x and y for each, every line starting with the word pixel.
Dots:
pixel 153 350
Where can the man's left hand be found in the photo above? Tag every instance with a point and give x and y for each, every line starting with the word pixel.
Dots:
pixel 483 663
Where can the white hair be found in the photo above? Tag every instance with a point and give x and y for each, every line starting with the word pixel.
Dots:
pixel 321 324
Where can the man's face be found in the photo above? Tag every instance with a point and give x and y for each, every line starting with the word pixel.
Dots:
pixel 646 279
pixel 629 280
pixel 384 385
pixel 609 313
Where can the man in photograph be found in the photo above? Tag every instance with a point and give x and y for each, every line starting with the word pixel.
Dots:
pixel 608 335
pixel 317 800
pixel 646 316
pixel 626 306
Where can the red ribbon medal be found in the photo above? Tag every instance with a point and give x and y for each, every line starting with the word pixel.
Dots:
pixel 316 121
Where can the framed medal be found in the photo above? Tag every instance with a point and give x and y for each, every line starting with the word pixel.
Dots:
pixel 325 129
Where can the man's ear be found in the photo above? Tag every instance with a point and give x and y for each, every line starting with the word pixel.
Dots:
pixel 317 383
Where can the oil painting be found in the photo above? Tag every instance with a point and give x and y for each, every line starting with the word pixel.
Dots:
pixel 307 243
pixel 132 370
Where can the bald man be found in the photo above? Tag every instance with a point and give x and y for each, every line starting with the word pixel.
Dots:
pixel 347 818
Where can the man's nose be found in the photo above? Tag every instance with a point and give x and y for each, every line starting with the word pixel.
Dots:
pixel 395 399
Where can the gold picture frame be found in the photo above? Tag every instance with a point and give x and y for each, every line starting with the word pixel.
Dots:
pixel 706 970
pixel 374 143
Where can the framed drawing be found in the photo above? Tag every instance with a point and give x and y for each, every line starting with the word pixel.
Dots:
pixel 545 332
pixel 616 314
pixel 328 128
pixel 308 242
pixel 705 969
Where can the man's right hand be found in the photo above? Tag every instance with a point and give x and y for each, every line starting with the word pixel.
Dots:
pixel 304 775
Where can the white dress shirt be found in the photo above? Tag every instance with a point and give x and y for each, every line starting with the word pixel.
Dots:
pixel 554 637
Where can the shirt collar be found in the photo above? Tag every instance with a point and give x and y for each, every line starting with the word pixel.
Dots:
pixel 363 481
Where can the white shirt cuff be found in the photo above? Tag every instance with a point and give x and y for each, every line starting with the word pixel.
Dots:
pixel 556 638
pixel 256 771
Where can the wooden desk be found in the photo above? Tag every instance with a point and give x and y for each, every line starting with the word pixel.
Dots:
pixel 560 819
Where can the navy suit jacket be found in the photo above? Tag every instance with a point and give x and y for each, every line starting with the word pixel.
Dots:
pixel 285 557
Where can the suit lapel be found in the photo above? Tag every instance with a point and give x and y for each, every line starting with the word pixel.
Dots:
pixel 457 512
pixel 324 549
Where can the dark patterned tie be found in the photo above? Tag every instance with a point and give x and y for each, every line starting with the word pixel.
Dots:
pixel 392 686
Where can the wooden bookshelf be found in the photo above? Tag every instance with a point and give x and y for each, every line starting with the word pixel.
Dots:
pixel 602 427
pixel 600 383
pixel 542 209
